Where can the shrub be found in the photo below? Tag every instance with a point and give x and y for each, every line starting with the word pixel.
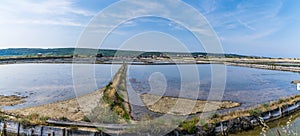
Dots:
pixel 25 122
pixel 86 119
pixel 266 106
pixel 2 117
pixel 43 118
pixel 255 112
pixel 33 116
pixel 109 84
pixel 190 125
pixel 64 118
pixel 280 101
pixel 215 115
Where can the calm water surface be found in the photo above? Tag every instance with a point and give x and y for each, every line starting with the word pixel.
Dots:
pixel 248 86
pixel 245 85
pixel 46 83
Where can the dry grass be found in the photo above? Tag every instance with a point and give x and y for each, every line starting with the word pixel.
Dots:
pixel 260 108
pixel 10 100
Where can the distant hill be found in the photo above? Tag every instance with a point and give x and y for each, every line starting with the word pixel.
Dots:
pixel 103 52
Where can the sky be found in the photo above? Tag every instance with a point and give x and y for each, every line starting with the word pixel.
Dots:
pixel 248 27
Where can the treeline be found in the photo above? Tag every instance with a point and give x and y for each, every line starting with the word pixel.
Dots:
pixel 106 53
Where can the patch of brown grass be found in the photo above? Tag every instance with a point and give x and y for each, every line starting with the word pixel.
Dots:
pixel 10 100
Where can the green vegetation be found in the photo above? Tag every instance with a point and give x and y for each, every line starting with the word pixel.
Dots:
pixel 63 119
pixel 190 125
pixel 111 108
pixel 33 119
pixel 86 119
pixel 280 101
pixel 106 94
pixel 2 117
pixel 266 106
pixel 215 115
pixel 255 112
pixel 112 97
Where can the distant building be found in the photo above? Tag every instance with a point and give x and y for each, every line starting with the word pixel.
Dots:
pixel 154 57
pixel 99 55
pixel 40 54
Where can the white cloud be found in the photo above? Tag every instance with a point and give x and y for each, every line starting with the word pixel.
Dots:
pixel 45 23
pixel 54 7
pixel 52 12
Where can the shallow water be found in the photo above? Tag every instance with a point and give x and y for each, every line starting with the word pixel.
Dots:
pixel 248 86
pixel 256 85
pixel 47 83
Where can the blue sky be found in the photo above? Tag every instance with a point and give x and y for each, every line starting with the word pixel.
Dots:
pixel 250 27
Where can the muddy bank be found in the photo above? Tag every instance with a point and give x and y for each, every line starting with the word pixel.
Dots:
pixel 181 106
pixel 11 100
pixel 69 109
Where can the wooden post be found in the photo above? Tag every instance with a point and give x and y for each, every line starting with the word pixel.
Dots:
pixel 42 129
pixel 68 132
pixel 280 111
pixel 64 132
pixel 4 129
pixel 19 128
pixel 222 129
pixel 32 131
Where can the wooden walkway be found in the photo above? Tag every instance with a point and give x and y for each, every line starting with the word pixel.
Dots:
pixel 89 124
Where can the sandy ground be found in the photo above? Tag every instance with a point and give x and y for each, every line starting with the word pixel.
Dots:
pixel 181 106
pixel 10 100
pixel 73 109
